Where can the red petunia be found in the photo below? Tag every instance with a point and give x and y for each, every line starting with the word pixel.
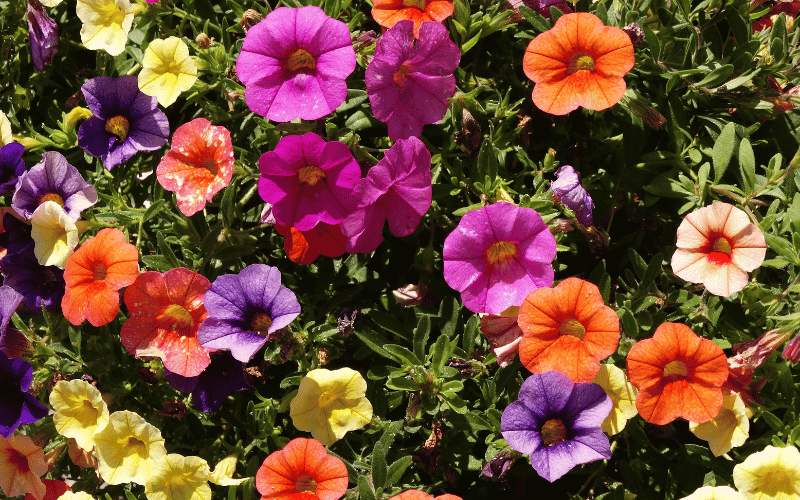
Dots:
pixel 304 247
pixel 303 470
pixel 388 12
pixel 54 489
pixel 421 495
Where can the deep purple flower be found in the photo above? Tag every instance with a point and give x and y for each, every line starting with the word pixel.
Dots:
pixel 409 81
pixel 557 422
pixel 221 378
pixel 43 33
pixel 571 193
pixel 9 301
pixel 397 190
pixel 245 309
pixel 308 181
pixel 294 64
pixel 125 120
pixel 54 179
pixel 11 166
pixel 19 406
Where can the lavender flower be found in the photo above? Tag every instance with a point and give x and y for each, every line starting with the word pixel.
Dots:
pixel 571 193
pixel 43 34
pixel 19 406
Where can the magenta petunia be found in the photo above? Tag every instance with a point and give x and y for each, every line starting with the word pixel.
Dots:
pixel 408 80
pixel 497 255
pixel 308 181
pixel 397 190
pixel 294 64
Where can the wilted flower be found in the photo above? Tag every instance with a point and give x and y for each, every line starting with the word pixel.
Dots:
pixel 106 24
pixel 571 193
pixel 504 336
pixel 128 449
pixel 43 33
pixel 167 70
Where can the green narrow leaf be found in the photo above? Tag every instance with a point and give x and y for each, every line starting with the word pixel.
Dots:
pixel 716 77
pixel 227 207
pixel 723 150
pixel 487 161
pixel 421 334
pixel 653 269
pixel 397 469
pixel 167 252
pixel 537 20
pixel 153 209
pixel 470 333
pixel 365 492
pixel 747 163
pixel 375 341
pixel 772 420
pixel 129 495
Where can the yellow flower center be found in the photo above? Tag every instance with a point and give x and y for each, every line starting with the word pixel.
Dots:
pixel 52 197
pixel 305 483
pixel 326 398
pixel 675 369
pixel 90 413
pixel 400 78
pixel 118 126
pixel 181 318
pixel 553 431
pixel 301 60
pixel 775 483
pixel 260 324
pixel 109 15
pixel 311 175
pixel 580 61
pixel 721 244
pixel 573 327
pixel 500 253
pixel 419 4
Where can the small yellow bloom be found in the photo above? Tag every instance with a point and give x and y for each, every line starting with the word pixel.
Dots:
pixel 622 393
pixel 106 24
pixel 223 472
pixel 128 449
pixel 330 403
pixel 729 429
pixel 5 130
pixel 772 474
pixel 54 234
pixel 715 493
pixel 76 495
pixel 80 411
pixel 76 114
pixel 179 478
pixel 167 70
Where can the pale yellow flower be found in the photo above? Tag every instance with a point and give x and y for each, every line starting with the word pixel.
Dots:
pixel 54 234
pixel 623 395
pixel 223 472
pixel 80 411
pixel 772 474
pixel 729 429
pixel 128 449
pixel 715 493
pixel 50 3
pixel 76 495
pixel 179 478
pixel 106 24
pixel 5 130
pixel 167 70
pixel 330 403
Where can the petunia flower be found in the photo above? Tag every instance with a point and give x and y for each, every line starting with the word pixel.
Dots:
pixel 504 336
pixel 579 62
pixel 75 495
pixel 198 166
pixel 568 329
pixel 128 449
pixel 718 246
pixel 303 247
pixel 497 255
pixel 570 193
pixel 715 493
pixel 331 403
pixel 5 130
pixel 54 490
pixel 222 474
pixel 245 309
pixel 387 13
pixel 54 234
pixel 678 374
pixel 747 357
pixel 421 495
pixel 21 466
pixel 729 429
pixel 540 6
pixel 9 301
pixel 80 411
pixel 221 378
pixel 11 166
pixel 167 70
pixel 176 477
pixel 622 394
pixel 43 32
pixel 294 64
pixel 397 190
pixel 19 406
pixel 302 469
pixel 125 120
pixel 165 312
pixel 557 422
pixel 106 24
pixel 771 474
pixel 308 180
pixel 409 81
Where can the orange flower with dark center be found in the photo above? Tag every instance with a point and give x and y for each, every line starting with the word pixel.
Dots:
pixel 303 470
pixel 388 12
pixel 678 374
pixel 579 62
pixel 567 329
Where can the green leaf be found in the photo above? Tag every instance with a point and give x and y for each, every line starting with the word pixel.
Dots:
pixel 747 163
pixel 365 492
pixel 374 341
pixel 537 20
pixel 772 420
pixel 378 462
pixel 716 77
pixel 397 469
pixel 153 209
pixel 404 354
pixel 782 247
pixel 470 334
pixel 487 161
pixel 402 384
pixel 723 150
pixel 421 334
pixel 440 353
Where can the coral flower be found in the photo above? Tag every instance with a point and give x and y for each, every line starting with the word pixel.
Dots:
pixel 304 247
pixel 21 466
pixel 771 474
pixel 165 312
pixel 622 394
pixel 198 166
pixel 388 12
pixel 568 329
pixel 421 495
pixel 95 273
pixel 54 489
pixel 80 411
pixel 730 428
pixel 718 246
pixel 106 24
pixel 167 70
pixel 128 449
pixel 678 374
pixel 179 478
pixel 579 62
pixel 302 470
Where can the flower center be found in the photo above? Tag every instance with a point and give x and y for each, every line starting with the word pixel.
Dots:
pixel 311 175
pixel 573 327
pixel 180 316
pixel 501 252
pixel 90 411
pixel 118 126
pixel 775 482
pixel 326 398
pixel 52 197
pixel 553 431
pixel 100 271
pixel 305 483
pixel 134 443
pixel 722 244
pixel 400 78
pixel 19 461
pixel 260 324
pixel 676 369
pixel 301 60
pixel 580 61
pixel 419 4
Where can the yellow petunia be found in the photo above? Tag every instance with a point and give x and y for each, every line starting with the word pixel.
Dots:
pixel 772 474
pixel 80 411
pixel 128 449
pixel 729 429
pixel 50 3
pixel 76 495
pixel 106 24
pixel 179 478
pixel 75 115
pixel 5 130
pixel 54 234
pixel 330 403
pixel 715 493
pixel 623 395
pixel 167 70
pixel 223 472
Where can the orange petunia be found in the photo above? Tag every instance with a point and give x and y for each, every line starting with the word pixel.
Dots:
pixel 304 247
pixel 165 312
pixel 388 12
pixel 21 466
pixel 421 495
pixel 579 62
pixel 95 273
pixel 678 374
pixel 54 489
pixel 567 329
pixel 303 470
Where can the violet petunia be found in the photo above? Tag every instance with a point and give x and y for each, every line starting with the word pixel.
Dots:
pixel 9 301
pixel 294 64
pixel 221 378
pixel 125 120
pixel 54 179
pixel 408 80
pixel 397 189
pixel 573 195
pixel 43 33
pixel 557 423
pixel 11 166
pixel 497 255
pixel 308 181
pixel 245 309
pixel 19 406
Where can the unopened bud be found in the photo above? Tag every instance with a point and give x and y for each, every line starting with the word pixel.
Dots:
pixel 203 41
pixel 635 32
pixel 249 19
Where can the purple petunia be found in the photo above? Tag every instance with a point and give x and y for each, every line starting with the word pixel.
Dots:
pixel 397 190
pixel 125 120
pixel 571 193
pixel 221 378
pixel 11 166
pixel 19 406
pixel 43 34
pixel 557 422
pixel 9 301
pixel 54 179
pixel 294 64
pixel 245 309
pixel 409 81
pixel 497 255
